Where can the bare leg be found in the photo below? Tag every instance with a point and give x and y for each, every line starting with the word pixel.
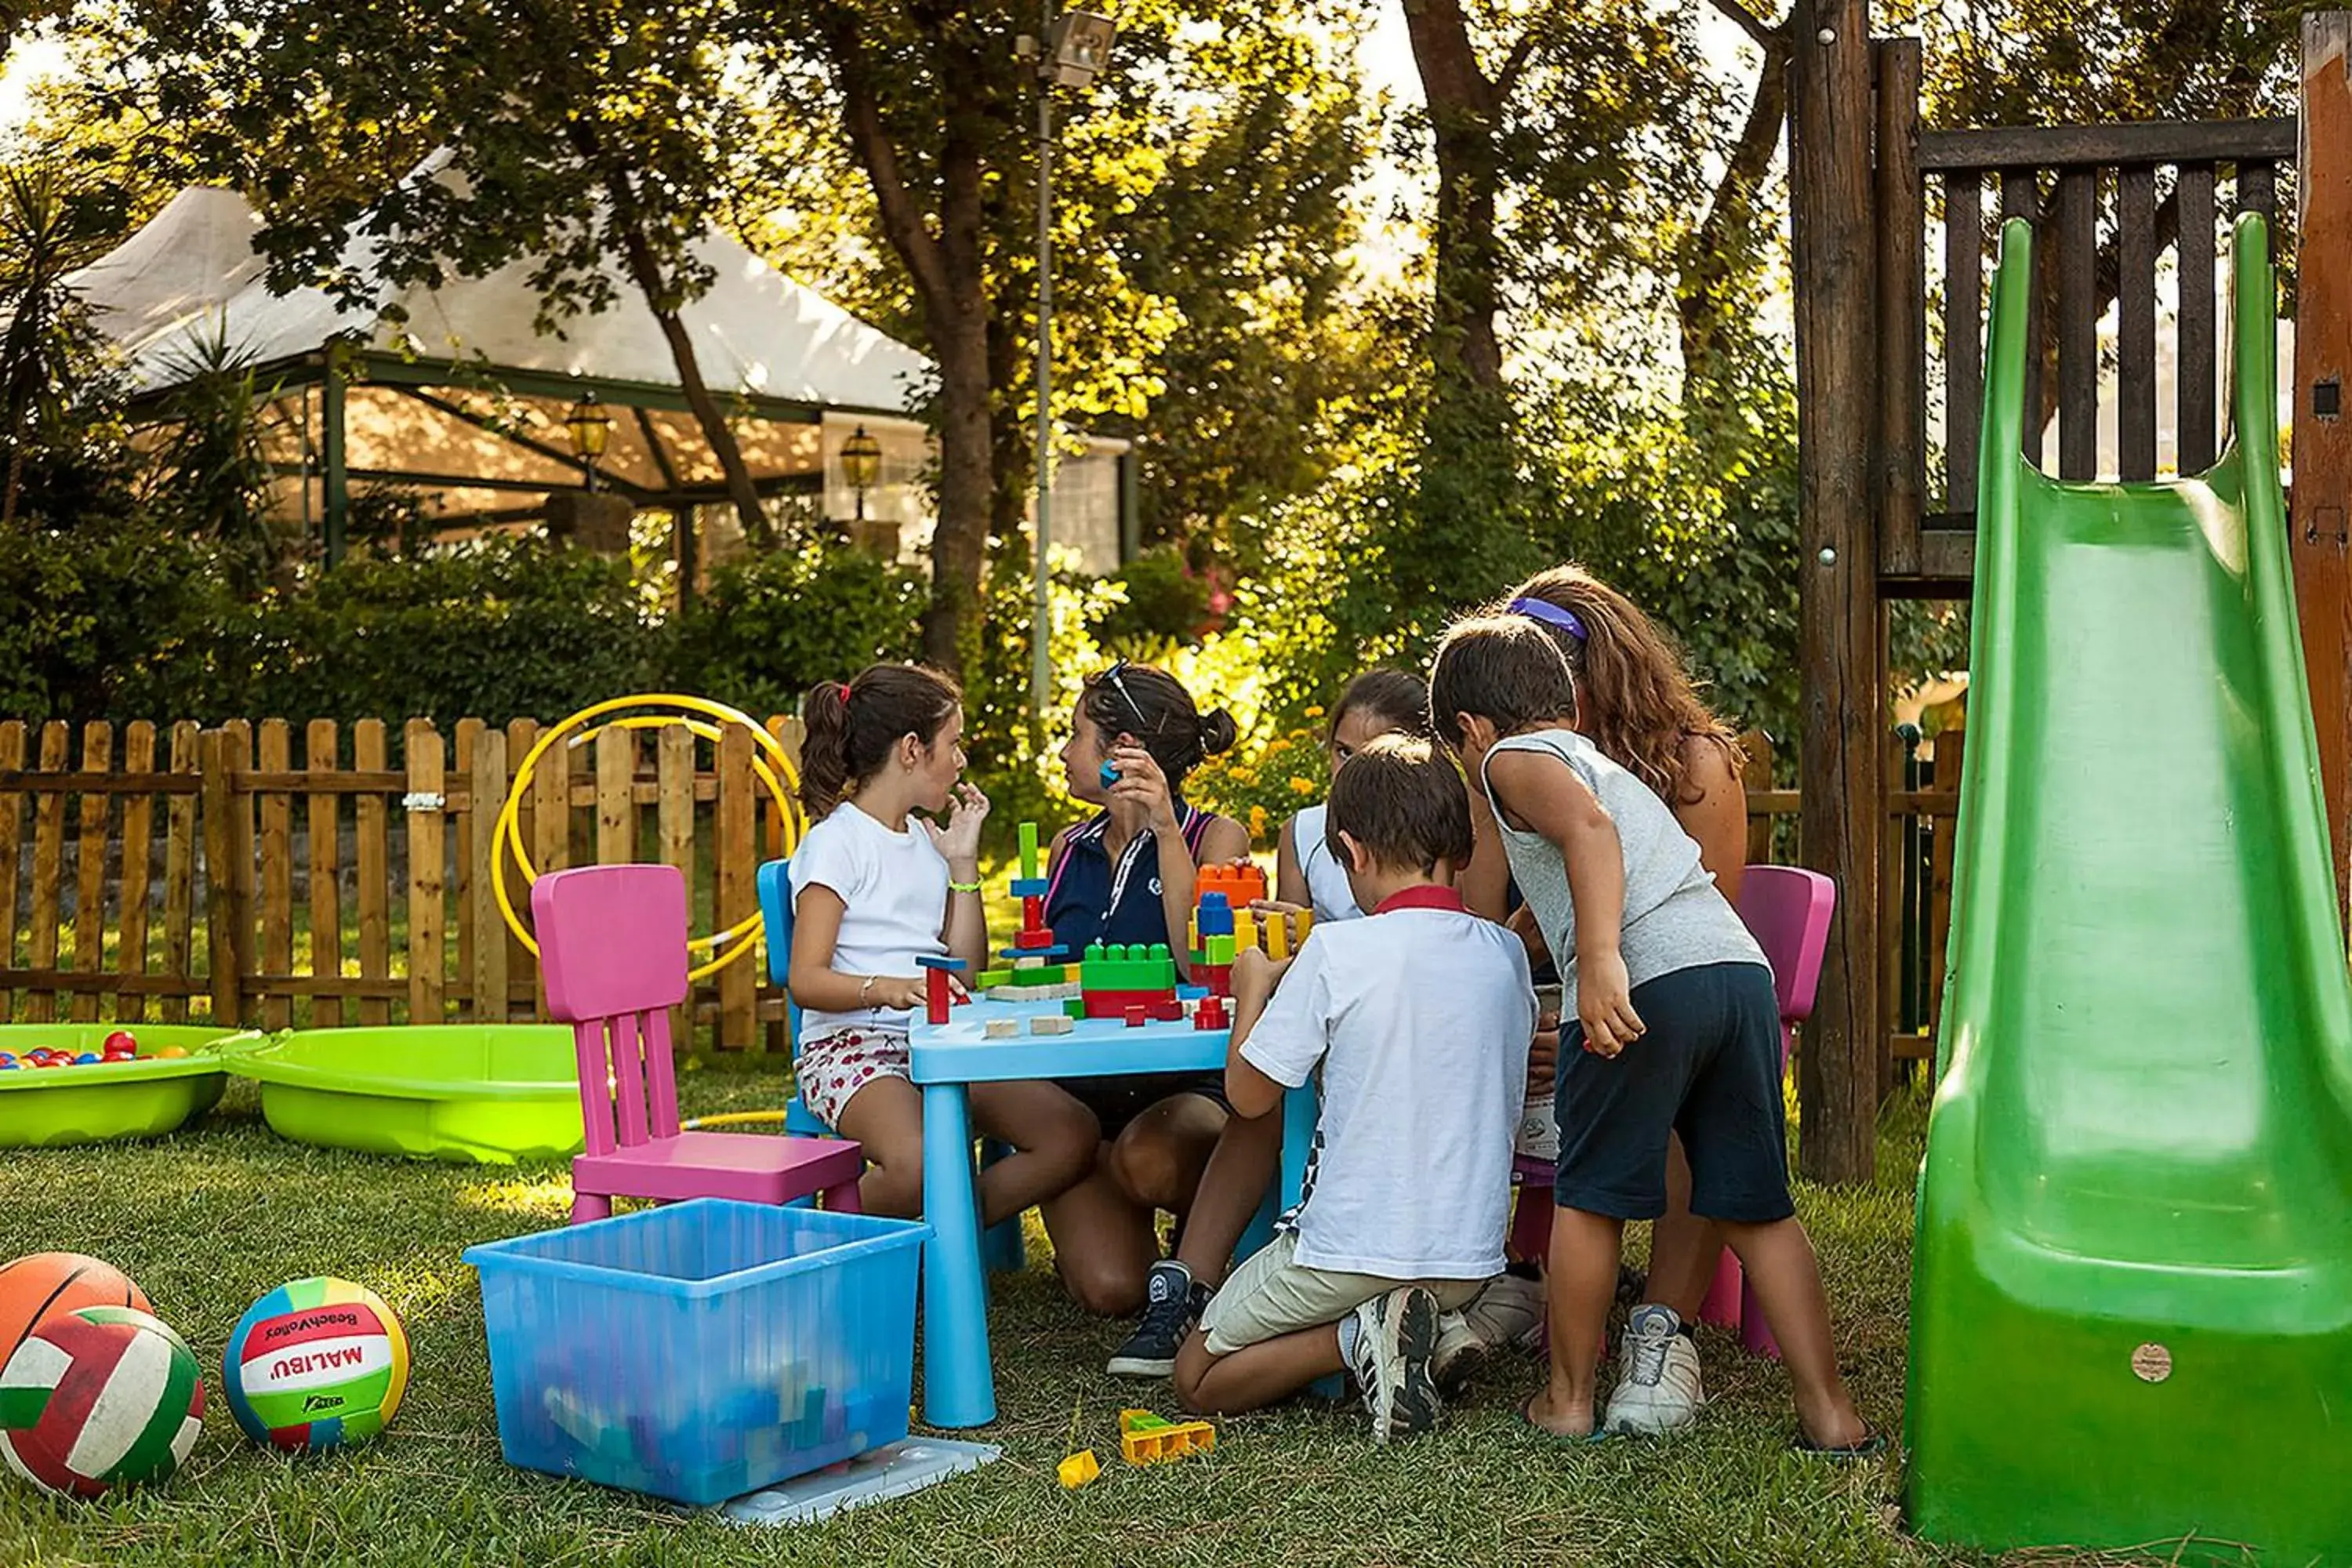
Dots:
pixel 1054 1141
pixel 1158 1158
pixel 1787 1277
pixel 1104 1243
pixel 1581 1282
pixel 1247 1156
pixel 1254 1376
pixel 885 1117
pixel 1683 1247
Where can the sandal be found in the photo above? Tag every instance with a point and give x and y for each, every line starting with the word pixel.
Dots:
pixel 1583 1440
pixel 1869 1445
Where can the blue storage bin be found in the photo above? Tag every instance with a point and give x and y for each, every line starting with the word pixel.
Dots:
pixel 703 1350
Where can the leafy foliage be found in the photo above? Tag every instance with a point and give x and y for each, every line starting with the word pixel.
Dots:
pixel 773 625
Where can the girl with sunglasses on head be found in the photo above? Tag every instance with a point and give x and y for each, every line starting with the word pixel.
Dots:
pixel 1126 875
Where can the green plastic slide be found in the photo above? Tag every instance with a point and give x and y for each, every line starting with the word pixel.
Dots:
pixel 2131 1312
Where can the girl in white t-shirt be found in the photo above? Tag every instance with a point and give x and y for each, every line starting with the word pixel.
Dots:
pixel 874 888
pixel 1306 876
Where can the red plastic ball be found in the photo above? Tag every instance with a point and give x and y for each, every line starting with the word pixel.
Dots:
pixel 121 1039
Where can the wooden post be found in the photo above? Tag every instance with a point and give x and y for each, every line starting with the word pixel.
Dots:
pixel 334 452
pixel 89 870
pixel 1840 643
pixel 427 862
pixel 180 870
pixel 486 789
pixel 12 816
pixel 137 865
pixel 735 895
pixel 49 869
pixel 276 877
pixel 2322 525
pixel 320 747
pixel 225 951
pixel 374 872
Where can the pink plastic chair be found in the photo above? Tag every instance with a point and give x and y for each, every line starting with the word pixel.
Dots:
pixel 613 954
pixel 1788 911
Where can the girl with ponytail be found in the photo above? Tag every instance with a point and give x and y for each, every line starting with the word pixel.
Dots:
pixel 875 886
pixel 1126 875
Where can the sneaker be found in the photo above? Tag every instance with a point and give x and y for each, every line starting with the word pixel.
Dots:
pixel 1172 1301
pixel 1507 1311
pixel 1658 1382
pixel 1396 1336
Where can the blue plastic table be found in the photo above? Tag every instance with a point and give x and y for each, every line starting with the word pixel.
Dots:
pixel 959 1383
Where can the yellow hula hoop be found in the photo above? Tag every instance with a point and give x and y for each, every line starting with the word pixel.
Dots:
pixel 780 779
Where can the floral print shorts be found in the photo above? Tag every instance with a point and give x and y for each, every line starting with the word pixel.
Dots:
pixel 834 1067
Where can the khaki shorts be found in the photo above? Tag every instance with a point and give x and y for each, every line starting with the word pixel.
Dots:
pixel 1272 1294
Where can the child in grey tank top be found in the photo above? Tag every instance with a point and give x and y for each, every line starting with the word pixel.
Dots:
pixel 1675 1027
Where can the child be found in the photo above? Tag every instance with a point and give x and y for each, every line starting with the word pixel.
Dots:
pixel 870 895
pixel 1675 1020
pixel 1636 703
pixel 1375 703
pixel 1419 1015
pixel 1126 875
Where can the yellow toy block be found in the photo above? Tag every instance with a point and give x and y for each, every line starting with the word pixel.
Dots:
pixel 1146 1439
pixel 1079 1469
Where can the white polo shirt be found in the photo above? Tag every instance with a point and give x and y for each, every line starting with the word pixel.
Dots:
pixel 1420 1015
pixel 893 889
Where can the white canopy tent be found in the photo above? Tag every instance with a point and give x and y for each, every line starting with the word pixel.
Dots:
pixel 452 394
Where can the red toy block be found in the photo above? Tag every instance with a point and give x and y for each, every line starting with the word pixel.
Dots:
pixel 1168 1009
pixel 1115 1003
pixel 936 994
pixel 1033 914
pixel 1034 937
pixel 1211 1014
pixel 1217 977
pixel 1138 1016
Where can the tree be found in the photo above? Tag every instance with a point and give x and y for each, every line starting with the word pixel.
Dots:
pixel 571 130
pixel 50 358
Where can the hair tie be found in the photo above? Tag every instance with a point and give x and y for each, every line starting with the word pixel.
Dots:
pixel 845 693
pixel 1552 615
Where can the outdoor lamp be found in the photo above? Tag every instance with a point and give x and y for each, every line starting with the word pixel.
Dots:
pixel 590 428
pixel 1078 48
pixel 861 465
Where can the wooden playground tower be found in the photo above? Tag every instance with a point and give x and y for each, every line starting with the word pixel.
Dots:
pixel 1867 180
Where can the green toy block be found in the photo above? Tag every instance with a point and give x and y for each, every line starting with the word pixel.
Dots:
pixel 992 978
pixel 1216 950
pixel 1127 968
pixel 1076 1007
pixel 1040 974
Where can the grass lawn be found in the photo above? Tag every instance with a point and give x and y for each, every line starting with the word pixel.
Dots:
pixel 208 1221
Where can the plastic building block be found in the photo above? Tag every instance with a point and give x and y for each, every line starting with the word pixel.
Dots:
pixel 1217 977
pixel 1136 968
pixel 1211 1014
pixel 1160 1004
pixel 1002 1028
pixel 1015 955
pixel 989 979
pixel 1109 774
pixel 1239 884
pixel 936 994
pixel 1033 912
pixel 1074 1007
pixel 1028 854
pixel 1218 949
pixel 1051 1024
pixel 1138 1014
pixel 1146 1439
pixel 1214 917
pixel 1079 1468
pixel 1029 941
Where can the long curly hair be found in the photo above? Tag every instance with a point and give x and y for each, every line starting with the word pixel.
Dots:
pixel 1634 697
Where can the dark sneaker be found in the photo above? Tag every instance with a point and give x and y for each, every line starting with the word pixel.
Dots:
pixel 1171 1304
pixel 1396 1336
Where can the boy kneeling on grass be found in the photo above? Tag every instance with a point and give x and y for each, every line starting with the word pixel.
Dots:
pixel 1420 1015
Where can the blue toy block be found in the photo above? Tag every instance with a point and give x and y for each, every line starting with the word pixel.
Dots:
pixel 928 961
pixel 1109 774
pixel 1029 886
pixel 1215 916
pixel 1049 953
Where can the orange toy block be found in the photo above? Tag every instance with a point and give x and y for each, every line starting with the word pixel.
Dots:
pixel 1240 884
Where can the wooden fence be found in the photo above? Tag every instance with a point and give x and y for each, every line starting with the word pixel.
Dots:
pixel 223 874
pixel 335 887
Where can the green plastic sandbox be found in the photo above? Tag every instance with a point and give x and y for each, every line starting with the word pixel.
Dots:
pixel 45 1108
pixel 487 1093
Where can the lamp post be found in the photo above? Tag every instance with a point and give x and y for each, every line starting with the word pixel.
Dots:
pixel 861 465
pixel 591 429
pixel 1076 48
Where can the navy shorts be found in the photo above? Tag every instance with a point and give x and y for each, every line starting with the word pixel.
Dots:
pixel 1708 1066
pixel 1116 1101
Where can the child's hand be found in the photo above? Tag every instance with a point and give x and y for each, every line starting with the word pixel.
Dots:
pixel 1543 1057
pixel 1291 916
pixel 1605 1003
pixel 1256 976
pixel 1141 784
pixel 959 841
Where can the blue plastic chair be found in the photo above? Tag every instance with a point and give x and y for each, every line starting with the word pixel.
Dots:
pixel 1002 1245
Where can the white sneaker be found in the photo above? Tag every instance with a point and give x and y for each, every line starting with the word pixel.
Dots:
pixel 1396 1335
pixel 1657 1379
pixel 1506 1311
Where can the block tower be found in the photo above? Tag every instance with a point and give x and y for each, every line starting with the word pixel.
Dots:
pixel 1035 972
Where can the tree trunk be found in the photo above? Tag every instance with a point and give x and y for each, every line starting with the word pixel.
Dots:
pixel 1464 108
pixel 648 274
